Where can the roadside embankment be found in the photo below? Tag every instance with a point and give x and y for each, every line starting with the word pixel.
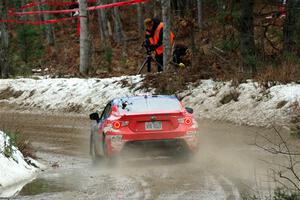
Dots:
pixel 247 103
pixel 15 170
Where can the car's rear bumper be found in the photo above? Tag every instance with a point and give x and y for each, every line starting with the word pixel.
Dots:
pixel 188 140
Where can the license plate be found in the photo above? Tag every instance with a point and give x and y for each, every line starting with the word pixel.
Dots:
pixel 153 126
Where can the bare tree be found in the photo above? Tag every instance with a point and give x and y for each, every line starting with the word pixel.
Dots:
pixel 103 27
pixel 4 41
pixel 166 8
pixel 140 18
pixel 289 28
pixel 84 38
pixel 149 9
pixel 119 33
pixel 154 6
pixel 199 9
pixel 247 36
pixel 287 173
pixel 49 32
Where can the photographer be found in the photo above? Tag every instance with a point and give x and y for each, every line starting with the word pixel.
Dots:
pixel 154 40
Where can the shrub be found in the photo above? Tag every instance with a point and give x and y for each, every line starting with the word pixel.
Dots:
pixel 108 55
pixel 284 194
pixel 279 194
pixel 286 73
pixel 17 140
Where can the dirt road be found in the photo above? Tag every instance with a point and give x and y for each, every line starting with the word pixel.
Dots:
pixel 227 166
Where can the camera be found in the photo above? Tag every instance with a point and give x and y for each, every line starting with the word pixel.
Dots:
pixel 147 46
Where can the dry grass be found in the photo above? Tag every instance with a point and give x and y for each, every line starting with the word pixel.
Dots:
pixel 10 92
pixel 22 143
pixel 286 73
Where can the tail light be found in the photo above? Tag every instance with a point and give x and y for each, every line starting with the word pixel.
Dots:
pixel 118 124
pixel 188 121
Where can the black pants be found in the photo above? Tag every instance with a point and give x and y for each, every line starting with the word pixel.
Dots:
pixel 160 60
pixel 179 51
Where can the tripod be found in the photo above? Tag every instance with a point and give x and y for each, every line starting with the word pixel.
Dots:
pixel 148 61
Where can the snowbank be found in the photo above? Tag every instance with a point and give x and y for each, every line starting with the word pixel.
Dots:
pixel 244 104
pixel 70 95
pixel 14 171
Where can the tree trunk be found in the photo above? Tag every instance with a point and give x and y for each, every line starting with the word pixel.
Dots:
pixel 49 32
pixel 247 37
pixel 199 8
pixel 119 34
pixel 4 41
pixel 155 5
pixel 84 38
pixel 102 20
pixel 289 25
pixel 149 7
pixel 166 7
pixel 140 18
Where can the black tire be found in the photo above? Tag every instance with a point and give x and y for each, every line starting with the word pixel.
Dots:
pixel 110 161
pixel 95 158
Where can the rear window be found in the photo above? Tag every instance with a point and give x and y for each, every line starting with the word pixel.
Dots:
pixel 151 104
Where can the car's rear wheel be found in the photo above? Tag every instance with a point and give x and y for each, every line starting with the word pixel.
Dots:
pixel 110 160
pixel 104 146
pixel 95 157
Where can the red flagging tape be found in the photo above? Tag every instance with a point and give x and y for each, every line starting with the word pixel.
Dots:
pixel 51 3
pixel 111 5
pixel 50 21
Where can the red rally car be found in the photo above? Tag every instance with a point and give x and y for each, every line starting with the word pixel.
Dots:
pixel 142 119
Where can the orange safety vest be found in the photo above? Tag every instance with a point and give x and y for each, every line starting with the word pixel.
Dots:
pixel 160 50
pixel 150 38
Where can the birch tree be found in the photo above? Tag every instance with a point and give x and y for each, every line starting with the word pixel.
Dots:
pixel 4 41
pixel 84 37
pixel 166 7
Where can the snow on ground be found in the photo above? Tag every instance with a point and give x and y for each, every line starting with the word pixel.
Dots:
pixel 246 103
pixel 15 172
pixel 73 95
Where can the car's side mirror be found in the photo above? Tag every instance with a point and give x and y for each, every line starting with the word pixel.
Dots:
pixel 95 116
pixel 189 110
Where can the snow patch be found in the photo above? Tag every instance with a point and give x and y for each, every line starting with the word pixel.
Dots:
pixel 15 172
pixel 246 103
pixel 250 104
